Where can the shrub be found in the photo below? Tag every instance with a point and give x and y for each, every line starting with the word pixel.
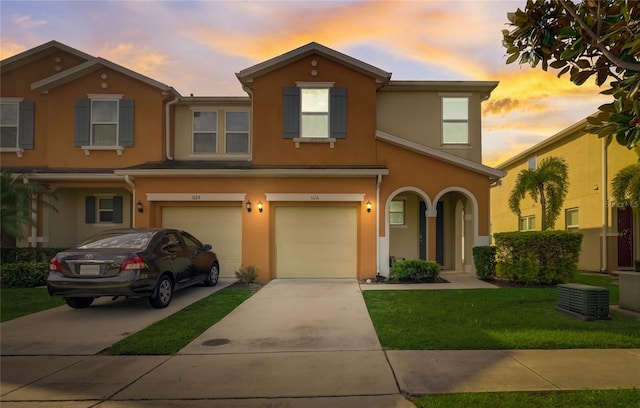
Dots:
pixel 8 255
pixel 24 274
pixel 537 257
pixel 415 270
pixel 247 274
pixel 484 257
pixel 637 265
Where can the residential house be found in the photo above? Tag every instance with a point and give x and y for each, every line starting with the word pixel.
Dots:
pixel 588 208
pixel 327 168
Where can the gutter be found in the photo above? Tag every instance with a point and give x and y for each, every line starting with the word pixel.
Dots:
pixel 605 194
pixel 378 183
pixel 167 130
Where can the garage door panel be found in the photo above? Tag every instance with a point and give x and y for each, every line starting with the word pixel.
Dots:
pixel 316 242
pixel 219 226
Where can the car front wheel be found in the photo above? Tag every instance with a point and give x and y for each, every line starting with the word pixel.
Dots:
pixel 163 293
pixel 79 302
pixel 214 274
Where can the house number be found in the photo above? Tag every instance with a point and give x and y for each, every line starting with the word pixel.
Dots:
pixel 314 198
pixel 195 197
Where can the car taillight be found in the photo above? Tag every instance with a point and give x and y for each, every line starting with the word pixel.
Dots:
pixel 136 262
pixel 54 265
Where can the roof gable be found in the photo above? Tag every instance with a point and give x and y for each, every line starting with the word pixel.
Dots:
pixel 40 51
pixel 248 74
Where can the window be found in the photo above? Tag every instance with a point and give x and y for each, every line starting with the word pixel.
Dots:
pixel 104 122
pixel 103 210
pixel 314 111
pixel 571 219
pixel 237 132
pixel 396 212
pixel 455 120
pixel 532 163
pixel 9 125
pixel 205 131
pixel 527 223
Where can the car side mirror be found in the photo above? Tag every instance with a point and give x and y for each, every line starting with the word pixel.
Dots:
pixel 206 247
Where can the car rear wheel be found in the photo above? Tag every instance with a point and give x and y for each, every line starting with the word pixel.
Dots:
pixel 79 302
pixel 214 274
pixel 163 293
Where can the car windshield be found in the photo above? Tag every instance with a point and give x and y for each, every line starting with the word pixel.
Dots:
pixel 133 240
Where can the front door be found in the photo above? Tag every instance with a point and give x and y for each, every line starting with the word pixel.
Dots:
pixel 625 237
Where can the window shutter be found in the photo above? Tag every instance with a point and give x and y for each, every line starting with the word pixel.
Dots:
pixel 26 125
pixel 126 121
pixel 117 209
pixel 291 113
pixel 90 210
pixel 338 113
pixel 83 122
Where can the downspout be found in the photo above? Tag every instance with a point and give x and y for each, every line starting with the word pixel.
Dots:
pixel 34 217
pixel 378 183
pixel 131 184
pixel 167 130
pixel 605 204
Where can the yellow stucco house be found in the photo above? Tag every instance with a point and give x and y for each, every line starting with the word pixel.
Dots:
pixel 327 168
pixel 588 207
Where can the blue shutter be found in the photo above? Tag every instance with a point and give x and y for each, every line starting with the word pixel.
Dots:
pixel 126 121
pixel 338 113
pixel 117 209
pixel 26 125
pixel 90 210
pixel 83 123
pixel 291 113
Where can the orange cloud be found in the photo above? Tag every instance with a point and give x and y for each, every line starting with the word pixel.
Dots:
pixel 9 48
pixel 140 59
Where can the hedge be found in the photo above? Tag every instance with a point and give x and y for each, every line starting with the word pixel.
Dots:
pixel 23 274
pixel 28 254
pixel 537 257
pixel 415 270
pixel 484 257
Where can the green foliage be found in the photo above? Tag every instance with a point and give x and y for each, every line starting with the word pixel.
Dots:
pixel 23 274
pixel 625 185
pixel 548 183
pixel 537 257
pixel 415 270
pixel 484 257
pixel 13 254
pixel 247 274
pixel 586 39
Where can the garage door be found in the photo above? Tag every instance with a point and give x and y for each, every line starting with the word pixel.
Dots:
pixel 316 242
pixel 218 226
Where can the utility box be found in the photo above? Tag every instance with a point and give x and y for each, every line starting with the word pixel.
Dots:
pixel 584 302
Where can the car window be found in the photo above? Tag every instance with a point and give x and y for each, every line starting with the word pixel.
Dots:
pixel 171 242
pixel 190 241
pixel 133 240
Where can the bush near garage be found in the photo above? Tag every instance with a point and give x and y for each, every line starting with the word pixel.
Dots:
pixel 23 274
pixel 10 255
pixel 537 257
pixel 484 258
pixel 415 270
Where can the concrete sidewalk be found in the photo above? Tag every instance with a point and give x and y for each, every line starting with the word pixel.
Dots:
pixel 302 344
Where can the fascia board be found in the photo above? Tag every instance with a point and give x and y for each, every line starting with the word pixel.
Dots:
pixel 253 172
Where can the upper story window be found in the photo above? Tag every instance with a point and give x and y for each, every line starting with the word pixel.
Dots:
pixel 315 112
pixel 236 132
pixel 104 122
pixel 571 219
pixel 527 223
pixel 205 132
pixel 16 125
pixel 532 163
pixel 455 120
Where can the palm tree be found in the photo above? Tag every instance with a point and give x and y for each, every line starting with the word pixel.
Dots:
pixel 548 182
pixel 625 185
pixel 16 195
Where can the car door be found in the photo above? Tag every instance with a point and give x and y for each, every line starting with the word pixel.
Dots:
pixel 180 258
pixel 200 259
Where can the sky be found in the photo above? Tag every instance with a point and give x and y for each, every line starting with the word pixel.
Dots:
pixel 197 47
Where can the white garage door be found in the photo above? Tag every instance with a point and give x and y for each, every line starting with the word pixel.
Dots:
pixel 219 226
pixel 316 242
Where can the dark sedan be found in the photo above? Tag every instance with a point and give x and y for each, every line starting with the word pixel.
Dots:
pixel 132 262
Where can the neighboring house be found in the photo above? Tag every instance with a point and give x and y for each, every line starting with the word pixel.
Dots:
pixel 328 168
pixel 592 163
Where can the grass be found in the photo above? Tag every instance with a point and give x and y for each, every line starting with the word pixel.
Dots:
pixel 16 303
pixel 602 280
pixel 583 399
pixel 169 335
pixel 490 319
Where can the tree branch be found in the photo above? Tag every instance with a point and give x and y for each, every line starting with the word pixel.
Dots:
pixel 608 54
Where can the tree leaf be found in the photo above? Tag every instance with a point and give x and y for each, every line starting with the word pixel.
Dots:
pixel 512 58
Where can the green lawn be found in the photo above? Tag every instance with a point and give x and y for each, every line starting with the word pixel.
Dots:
pixel 573 399
pixel 505 318
pixel 176 331
pixel 15 303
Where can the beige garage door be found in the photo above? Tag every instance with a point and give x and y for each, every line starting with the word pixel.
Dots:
pixel 218 226
pixel 316 242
